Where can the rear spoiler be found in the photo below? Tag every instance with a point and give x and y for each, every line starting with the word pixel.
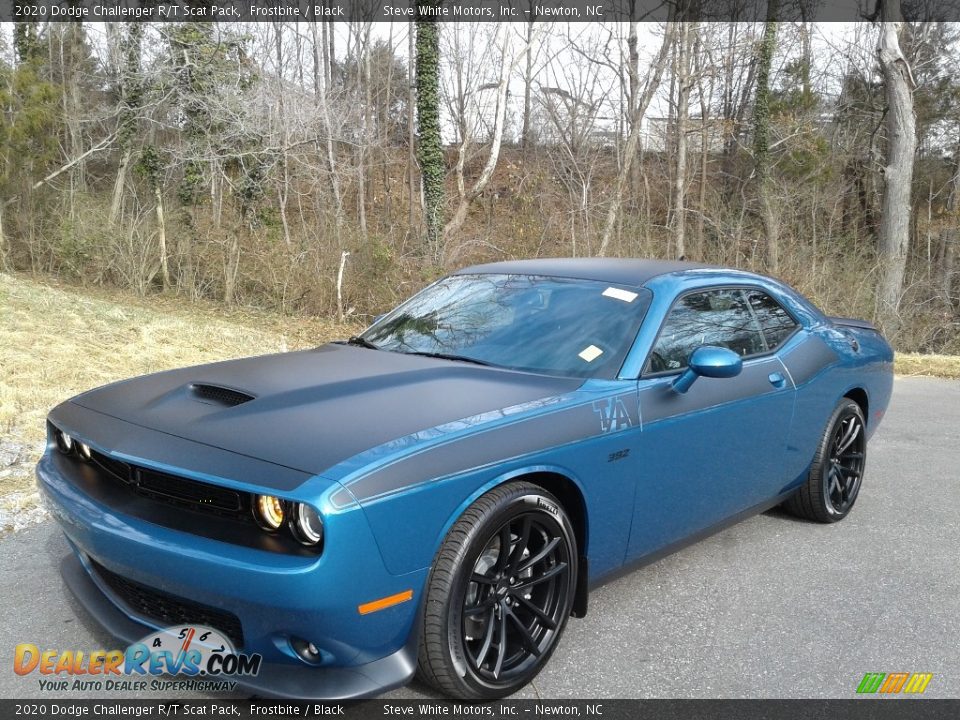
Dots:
pixel 853 322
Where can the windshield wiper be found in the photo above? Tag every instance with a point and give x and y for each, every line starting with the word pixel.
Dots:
pixel 362 342
pixel 452 356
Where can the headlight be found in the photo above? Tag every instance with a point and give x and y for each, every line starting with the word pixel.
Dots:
pixel 84 450
pixel 268 511
pixel 64 442
pixel 306 525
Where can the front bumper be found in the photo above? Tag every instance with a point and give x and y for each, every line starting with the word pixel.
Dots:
pixel 280 680
pixel 275 597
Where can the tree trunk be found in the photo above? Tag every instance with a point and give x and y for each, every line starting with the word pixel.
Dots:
pixel 411 133
pixel 636 116
pixel 682 73
pixel 948 264
pixel 429 147
pixel 118 188
pixel 806 55
pixel 284 186
pixel 162 236
pixel 633 72
pixel 364 149
pixel 633 91
pixel 232 269
pixel 321 83
pixel 332 47
pixel 343 263
pixel 898 173
pixel 705 140
pixel 76 134
pixel 761 142
pixel 69 41
pixel 362 189
pixel 3 243
pixel 527 88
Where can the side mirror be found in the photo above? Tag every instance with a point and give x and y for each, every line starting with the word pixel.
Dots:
pixel 708 361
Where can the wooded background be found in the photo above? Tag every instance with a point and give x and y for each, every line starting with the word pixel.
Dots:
pixel 335 169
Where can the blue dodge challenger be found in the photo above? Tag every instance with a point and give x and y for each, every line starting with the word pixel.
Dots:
pixel 438 494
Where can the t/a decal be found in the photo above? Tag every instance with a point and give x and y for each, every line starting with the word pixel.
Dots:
pixel 613 414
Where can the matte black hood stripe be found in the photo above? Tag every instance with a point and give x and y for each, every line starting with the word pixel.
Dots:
pixel 315 409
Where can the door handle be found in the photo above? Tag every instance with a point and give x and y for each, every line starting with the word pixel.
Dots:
pixel 776 379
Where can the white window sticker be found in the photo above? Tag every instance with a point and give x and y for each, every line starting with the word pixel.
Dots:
pixel 617 293
pixel 591 353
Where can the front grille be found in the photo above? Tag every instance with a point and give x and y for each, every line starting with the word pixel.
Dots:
pixel 197 495
pixel 219 394
pixel 168 609
pixel 175 490
pixel 116 468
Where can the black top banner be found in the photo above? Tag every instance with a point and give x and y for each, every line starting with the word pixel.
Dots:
pixel 577 11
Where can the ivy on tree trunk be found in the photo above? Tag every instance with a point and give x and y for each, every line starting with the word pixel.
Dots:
pixel 429 145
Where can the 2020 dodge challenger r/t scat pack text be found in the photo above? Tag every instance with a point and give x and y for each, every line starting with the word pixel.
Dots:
pixel 438 494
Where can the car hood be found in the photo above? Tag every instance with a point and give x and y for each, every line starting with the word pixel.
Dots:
pixel 312 409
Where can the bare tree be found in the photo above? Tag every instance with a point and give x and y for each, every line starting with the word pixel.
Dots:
pixel 684 83
pixel 568 114
pixel 898 171
pixel 761 140
pixel 322 98
pixel 636 116
pixel 283 187
pixel 528 78
pixel 125 41
pixel 467 195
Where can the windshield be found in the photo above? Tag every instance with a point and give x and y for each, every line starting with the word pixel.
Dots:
pixel 556 326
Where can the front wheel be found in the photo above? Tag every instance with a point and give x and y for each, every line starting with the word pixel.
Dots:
pixel 837 470
pixel 499 594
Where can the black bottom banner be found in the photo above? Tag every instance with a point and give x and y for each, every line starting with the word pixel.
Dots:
pixel 853 709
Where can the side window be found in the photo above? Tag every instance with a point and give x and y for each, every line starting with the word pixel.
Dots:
pixel 775 321
pixel 714 317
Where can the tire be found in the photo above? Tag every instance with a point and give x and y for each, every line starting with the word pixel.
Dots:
pixel 837 471
pixel 492 620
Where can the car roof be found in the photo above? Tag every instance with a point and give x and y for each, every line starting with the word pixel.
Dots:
pixel 621 271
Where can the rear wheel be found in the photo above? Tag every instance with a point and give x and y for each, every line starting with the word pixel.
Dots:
pixel 837 470
pixel 499 594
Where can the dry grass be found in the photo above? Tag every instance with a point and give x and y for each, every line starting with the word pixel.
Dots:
pixel 913 364
pixel 56 341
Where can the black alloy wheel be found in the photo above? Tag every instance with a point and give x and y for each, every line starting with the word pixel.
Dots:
pixel 515 597
pixel 499 595
pixel 836 473
pixel 846 461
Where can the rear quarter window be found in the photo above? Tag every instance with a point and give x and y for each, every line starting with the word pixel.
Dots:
pixel 777 324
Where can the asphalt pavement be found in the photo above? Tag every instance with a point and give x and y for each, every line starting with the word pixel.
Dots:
pixel 770 608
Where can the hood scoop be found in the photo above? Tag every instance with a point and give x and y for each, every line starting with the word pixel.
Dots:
pixel 219 395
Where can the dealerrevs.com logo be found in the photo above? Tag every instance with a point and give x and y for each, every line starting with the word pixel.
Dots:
pixel 201 654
